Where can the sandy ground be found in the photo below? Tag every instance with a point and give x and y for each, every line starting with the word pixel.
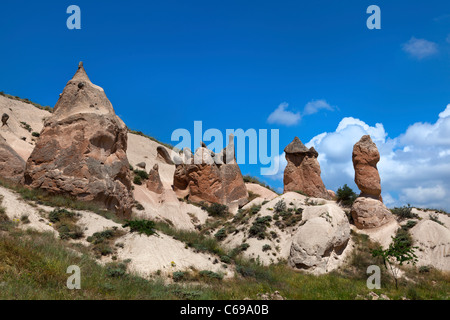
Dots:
pixel 14 131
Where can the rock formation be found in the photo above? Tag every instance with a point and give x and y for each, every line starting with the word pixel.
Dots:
pixel 141 165
pixel 302 172
pixel 163 155
pixel 365 157
pixel 214 178
pixel 368 211
pixel 434 242
pixel 154 181
pixel 5 118
pixel 320 240
pixel 12 166
pixel 82 149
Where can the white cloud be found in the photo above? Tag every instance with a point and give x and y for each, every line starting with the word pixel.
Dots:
pixel 414 167
pixel 445 113
pixel 288 118
pixel 284 117
pixel 315 105
pixel 420 48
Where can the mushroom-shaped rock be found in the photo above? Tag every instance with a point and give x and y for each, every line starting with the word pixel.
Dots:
pixel 302 171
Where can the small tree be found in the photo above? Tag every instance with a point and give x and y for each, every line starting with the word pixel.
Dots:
pixel 398 251
pixel 346 196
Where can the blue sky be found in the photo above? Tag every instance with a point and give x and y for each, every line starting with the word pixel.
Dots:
pixel 230 64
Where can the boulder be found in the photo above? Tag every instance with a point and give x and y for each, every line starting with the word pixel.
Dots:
pixel 332 194
pixel 302 171
pixel 154 181
pixel 5 118
pixel 12 166
pixel 141 165
pixel 81 151
pixel 163 155
pixel 433 241
pixel 365 157
pixel 320 240
pixel 370 213
pixel 210 177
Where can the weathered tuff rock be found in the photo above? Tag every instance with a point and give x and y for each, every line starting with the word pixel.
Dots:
pixel 141 165
pixel 210 177
pixel 5 118
pixel 320 240
pixel 433 240
pixel 163 155
pixel 12 166
pixel 365 157
pixel 154 181
pixel 82 149
pixel 302 172
pixel 368 211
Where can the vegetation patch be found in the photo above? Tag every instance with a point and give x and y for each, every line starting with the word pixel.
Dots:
pixel 289 218
pixel 404 212
pixel 345 196
pixel 146 227
pixel 65 223
pixel 258 229
pixel 102 242
pixel 216 209
pixel 37 105
pixel 140 133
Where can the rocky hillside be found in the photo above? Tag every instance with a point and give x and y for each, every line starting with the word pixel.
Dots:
pixel 79 174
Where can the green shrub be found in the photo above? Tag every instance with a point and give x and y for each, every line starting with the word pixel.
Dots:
pixel 280 206
pixel 425 269
pixel 435 218
pixel 216 209
pixel 221 234
pixel 404 212
pixel 100 237
pixel 258 229
pixel 59 214
pixel 141 226
pixel 35 134
pixel 410 224
pixel 210 275
pixel 266 247
pixel 116 270
pixel 138 206
pixel 178 276
pixel 225 259
pixel 70 231
pixel 141 174
pixel 346 196
pixel 137 180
